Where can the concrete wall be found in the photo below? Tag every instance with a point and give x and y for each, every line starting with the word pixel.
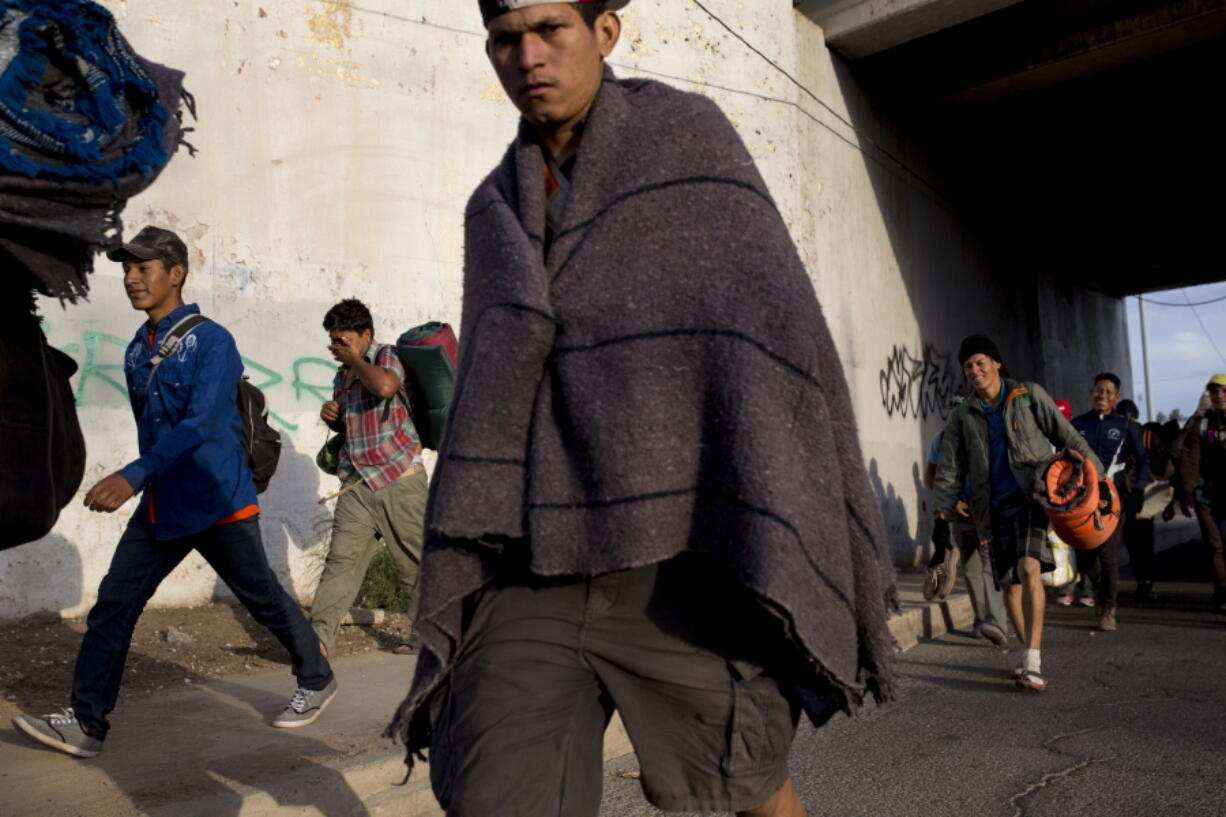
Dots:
pixel 1073 351
pixel 338 145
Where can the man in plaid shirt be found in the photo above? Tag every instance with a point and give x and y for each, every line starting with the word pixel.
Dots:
pixel 383 482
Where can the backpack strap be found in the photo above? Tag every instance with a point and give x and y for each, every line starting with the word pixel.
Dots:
pixel 404 397
pixel 1116 466
pixel 401 393
pixel 1024 396
pixel 170 343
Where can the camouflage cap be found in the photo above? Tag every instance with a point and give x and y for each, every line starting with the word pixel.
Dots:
pixel 493 8
pixel 150 243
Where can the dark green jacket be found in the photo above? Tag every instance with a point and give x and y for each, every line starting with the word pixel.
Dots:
pixel 1033 426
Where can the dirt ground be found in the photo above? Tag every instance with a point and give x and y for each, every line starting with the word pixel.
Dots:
pixel 170 648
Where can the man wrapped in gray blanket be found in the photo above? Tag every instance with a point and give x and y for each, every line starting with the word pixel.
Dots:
pixel 650 495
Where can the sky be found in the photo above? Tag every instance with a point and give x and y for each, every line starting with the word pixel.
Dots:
pixel 1182 353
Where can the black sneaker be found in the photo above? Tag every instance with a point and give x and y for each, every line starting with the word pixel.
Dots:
pixel 59 730
pixel 1145 592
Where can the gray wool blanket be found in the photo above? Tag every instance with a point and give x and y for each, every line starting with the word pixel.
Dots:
pixel 663 382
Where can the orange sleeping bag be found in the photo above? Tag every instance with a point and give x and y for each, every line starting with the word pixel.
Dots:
pixel 1066 486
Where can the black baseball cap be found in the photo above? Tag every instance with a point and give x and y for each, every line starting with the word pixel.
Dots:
pixel 151 243
pixel 494 8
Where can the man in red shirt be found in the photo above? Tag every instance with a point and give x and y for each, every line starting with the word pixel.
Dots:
pixel 383 481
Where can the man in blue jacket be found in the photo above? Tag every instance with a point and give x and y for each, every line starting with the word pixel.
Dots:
pixel 196 494
pixel 1115 439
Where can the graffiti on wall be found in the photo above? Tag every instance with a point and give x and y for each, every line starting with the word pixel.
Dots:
pixel 918 386
pixel 307 378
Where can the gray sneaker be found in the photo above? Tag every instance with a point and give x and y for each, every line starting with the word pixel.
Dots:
pixel 59 730
pixel 306 706
pixel 993 633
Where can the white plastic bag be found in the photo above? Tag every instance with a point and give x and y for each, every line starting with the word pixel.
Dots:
pixel 1065 571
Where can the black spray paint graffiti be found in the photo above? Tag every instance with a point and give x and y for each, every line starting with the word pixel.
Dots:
pixel 918 387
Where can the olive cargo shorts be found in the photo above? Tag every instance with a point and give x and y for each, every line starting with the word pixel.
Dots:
pixel 679 649
pixel 396 514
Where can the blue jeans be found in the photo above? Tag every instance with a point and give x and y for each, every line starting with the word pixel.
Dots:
pixel 236 552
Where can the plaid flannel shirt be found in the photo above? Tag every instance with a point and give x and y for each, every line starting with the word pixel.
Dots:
pixel 380 440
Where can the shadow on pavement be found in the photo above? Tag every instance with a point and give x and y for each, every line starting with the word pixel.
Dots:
pixel 220 742
pixel 1002 684
pixel 200 751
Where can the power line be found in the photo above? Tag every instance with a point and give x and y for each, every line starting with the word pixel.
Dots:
pixel 422 21
pixel 752 94
pixel 1202 325
pixel 868 139
pixel 1168 303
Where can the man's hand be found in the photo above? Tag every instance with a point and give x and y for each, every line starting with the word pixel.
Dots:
pixel 109 494
pixel 343 353
pixel 1104 495
pixel 330 412
pixel 963 509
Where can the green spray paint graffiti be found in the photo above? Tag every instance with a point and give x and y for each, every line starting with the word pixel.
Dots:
pixel 93 349
pixel 110 373
pixel 322 393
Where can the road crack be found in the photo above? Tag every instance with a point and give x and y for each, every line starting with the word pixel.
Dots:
pixel 1048 778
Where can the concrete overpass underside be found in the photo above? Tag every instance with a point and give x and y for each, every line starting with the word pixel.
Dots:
pixel 1090 130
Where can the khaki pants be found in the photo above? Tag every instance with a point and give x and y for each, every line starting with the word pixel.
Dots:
pixel 986 600
pixel 396 514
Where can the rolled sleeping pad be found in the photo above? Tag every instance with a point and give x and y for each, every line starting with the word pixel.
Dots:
pixel 428 354
pixel 1066 486
pixel 1157 496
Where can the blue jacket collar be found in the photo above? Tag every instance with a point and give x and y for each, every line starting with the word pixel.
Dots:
pixel 169 320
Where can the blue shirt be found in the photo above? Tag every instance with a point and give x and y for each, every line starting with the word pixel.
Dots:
pixel 1004 484
pixel 934 457
pixel 1114 436
pixel 192 463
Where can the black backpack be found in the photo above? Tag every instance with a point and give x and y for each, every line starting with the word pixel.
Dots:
pixel 261 441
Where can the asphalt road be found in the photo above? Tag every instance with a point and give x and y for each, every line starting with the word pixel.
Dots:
pixel 1132 723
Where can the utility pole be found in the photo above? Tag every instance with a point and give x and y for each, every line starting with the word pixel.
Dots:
pixel 1149 392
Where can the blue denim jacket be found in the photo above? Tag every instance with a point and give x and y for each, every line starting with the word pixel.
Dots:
pixel 192 460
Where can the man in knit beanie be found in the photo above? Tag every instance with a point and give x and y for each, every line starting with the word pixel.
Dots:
pixel 997 438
